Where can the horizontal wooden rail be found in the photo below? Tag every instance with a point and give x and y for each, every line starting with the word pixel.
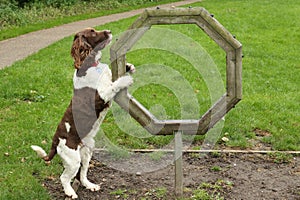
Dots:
pixel 208 151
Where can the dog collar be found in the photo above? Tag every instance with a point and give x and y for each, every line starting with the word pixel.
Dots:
pixel 98 68
pixel 95 64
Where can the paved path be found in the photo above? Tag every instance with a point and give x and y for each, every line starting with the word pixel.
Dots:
pixel 17 48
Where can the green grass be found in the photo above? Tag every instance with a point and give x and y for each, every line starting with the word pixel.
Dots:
pixel 211 191
pixel 34 92
pixel 270 70
pixel 156 193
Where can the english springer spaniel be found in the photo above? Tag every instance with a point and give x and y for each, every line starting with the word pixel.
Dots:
pixel 73 140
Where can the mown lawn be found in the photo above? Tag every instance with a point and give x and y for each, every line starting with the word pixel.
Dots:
pixel 35 92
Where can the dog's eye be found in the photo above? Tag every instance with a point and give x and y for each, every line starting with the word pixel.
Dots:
pixel 92 30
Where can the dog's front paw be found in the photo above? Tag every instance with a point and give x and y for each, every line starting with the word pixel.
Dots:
pixel 125 81
pixel 130 68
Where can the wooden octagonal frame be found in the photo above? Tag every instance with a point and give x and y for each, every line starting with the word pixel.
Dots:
pixel 205 21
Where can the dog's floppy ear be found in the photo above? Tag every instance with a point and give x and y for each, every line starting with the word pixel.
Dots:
pixel 80 49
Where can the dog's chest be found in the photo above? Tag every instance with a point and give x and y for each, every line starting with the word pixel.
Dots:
pixel 98 78
pixel 88 108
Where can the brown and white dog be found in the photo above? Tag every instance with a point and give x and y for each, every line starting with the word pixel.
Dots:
pixel 73 140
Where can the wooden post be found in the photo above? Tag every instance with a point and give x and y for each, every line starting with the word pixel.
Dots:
pixel 178 165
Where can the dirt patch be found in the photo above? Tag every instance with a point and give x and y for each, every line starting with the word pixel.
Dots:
pixel 231 176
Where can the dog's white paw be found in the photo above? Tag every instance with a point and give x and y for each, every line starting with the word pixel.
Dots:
pixel 130 68
pixel 91 186
pixel 95 188
pixel 71 193
pixel 125 81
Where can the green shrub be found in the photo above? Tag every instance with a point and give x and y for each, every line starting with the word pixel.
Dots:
pixel 58 3
pixel 21 13
pixel 9 13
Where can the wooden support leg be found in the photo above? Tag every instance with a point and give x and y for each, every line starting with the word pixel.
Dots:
pixel 178 165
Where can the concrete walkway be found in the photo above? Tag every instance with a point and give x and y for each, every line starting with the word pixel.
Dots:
pixel 17 48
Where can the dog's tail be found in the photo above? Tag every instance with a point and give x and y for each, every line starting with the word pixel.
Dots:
pixel 42 154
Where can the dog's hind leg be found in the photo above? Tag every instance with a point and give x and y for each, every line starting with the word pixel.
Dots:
pixel 86 155
pixel 71 161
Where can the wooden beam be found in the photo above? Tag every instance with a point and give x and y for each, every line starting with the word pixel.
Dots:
pixel 178 165
pixel 238 72
pixel 209 151
pixel 215 31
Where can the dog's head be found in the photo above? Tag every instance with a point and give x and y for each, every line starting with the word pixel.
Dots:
pixel 85 41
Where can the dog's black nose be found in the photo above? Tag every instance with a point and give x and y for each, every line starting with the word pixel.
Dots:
pixel 107 33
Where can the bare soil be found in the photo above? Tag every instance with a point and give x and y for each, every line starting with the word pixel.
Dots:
pixel 233 176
